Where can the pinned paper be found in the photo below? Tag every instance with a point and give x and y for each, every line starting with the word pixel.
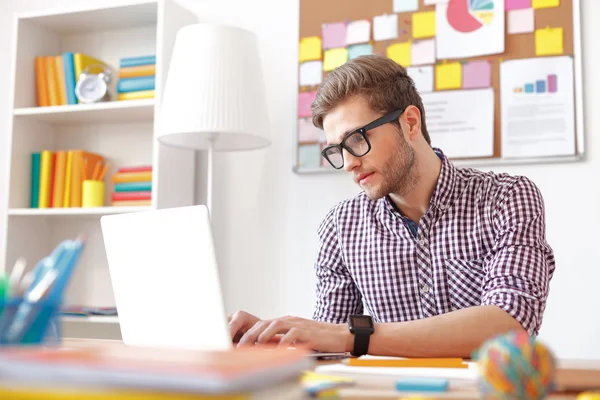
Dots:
pixel 310 48
pixel 477 75
pixel 311 73
pixel 400 53
pixel 358 50
pixel 334 35
pixel 422 77
pixel 308 132
pixel 305 99
pixel 406 5
pixel 385 27
pixel 521 21
pixel 545 3
pixel 448 76
pixel 358 32
pixel 423 52
pixel 309 155
pixel 423 24
pixel 334 58
pixel 548 41
pixel 516 4
pixel 434 2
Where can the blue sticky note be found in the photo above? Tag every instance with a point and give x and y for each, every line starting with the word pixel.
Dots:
pixel 358 50
pixel 309 155
pixel 422 385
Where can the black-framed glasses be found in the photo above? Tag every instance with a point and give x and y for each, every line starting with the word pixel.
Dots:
pixel 356 142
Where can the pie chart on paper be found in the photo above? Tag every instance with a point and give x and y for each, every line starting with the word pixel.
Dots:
pixel 469 15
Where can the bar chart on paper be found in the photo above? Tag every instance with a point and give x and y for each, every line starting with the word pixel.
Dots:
pixel 546 85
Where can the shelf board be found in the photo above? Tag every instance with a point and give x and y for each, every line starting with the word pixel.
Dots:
pixel 106 112
pixel 96 319
pixel 73 212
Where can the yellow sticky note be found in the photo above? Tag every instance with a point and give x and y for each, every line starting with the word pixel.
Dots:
pixel 310 48
pixel 423 24
pixel 548 41
pixel 400 52
pixel 545 3
pixel 448 76
pixel 334 58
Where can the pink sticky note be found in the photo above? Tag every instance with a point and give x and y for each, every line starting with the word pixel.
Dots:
pixel 334 35
pixel 516 4
pixel 477 74
pixel 305 99
pixel 308 132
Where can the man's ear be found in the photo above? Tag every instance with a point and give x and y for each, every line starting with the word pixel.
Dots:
pixel 412 121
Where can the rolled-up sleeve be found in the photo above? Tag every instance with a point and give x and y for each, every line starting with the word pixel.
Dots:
pixel 522 264
pixel 337 295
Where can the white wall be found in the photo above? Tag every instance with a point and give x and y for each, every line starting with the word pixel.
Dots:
pixel 266 216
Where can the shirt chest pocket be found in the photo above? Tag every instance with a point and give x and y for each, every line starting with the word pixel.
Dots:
pixel 465 282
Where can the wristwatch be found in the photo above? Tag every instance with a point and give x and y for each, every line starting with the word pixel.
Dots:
pixel 361 326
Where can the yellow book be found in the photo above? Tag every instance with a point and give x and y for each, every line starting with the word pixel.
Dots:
pixel 82 61
pixel 68 173
pixel 59 179
pixel 141 94
pixel 138 70
pixel 99 394
pixel 41 80
pixel 131 203
pixel 121 177
pixel 45 179
pixel 60 80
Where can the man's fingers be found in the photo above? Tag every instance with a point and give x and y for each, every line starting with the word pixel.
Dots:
pixel 251 334
pixel 294 336
pixel 274 328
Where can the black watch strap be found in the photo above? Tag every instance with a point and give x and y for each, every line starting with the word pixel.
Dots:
pixel 361 342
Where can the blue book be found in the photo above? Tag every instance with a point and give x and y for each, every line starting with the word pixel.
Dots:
pixel 135 61
pixel 136 84
pixel 70 79
pixel 133 187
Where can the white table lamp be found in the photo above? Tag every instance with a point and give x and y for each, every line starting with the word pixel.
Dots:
pixel 214 96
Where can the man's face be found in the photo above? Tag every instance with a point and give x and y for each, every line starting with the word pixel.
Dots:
pixel 389 165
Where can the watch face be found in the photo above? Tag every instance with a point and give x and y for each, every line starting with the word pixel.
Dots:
pixel 91 88
pixel 362 322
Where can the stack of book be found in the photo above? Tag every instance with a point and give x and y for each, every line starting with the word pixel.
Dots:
pixel 137 76
pixel 56 77
pixel 133 186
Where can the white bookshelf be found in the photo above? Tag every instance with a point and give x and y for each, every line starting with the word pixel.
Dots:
pixel 122 131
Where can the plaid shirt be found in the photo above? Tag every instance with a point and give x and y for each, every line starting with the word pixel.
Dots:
pixel 482 241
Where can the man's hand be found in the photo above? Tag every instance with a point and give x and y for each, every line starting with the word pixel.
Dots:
pixel 320 336
pixel 239 323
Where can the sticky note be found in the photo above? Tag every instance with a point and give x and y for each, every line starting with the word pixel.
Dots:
pixel 521 21
pixel 548 41
pixel 448 76
pixel 422 78
pixel 434 2
pixel 385 27
pixel 358 50
pixel 400 52
pixel 406 5
pixel 516 4
pixel 477 74
pixel 308 132
pixel 311 73
pixel 423 52
pixel 305 99
pixel 358 32
pixel 334 58
pixel 310 48
pixel 423 24
pixel 545 3
pixel 334 35
pixel 309 155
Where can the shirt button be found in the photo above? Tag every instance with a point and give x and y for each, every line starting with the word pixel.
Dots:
pixel 442 207
pixel 425 289
pixel 421 242
pixel 511 249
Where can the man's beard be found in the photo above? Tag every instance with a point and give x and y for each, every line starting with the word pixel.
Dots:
pixel 399 172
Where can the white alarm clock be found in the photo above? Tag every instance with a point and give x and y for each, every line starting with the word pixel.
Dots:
pixel 93 87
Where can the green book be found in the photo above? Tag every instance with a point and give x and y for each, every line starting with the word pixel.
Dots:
pixel 133 186
pixel 35 179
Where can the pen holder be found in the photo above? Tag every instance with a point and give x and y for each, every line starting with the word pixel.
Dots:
pixel 92 193
pixel 29 323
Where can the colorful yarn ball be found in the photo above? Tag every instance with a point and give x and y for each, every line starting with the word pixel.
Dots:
pixel 515 366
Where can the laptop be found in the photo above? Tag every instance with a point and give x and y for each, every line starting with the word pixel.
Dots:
pixel 165 278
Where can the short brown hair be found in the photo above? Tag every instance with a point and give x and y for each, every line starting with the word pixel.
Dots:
pixel 384 84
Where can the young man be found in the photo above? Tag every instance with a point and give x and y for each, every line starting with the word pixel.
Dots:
pixel 443 258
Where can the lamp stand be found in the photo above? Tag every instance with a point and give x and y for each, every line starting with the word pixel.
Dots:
pixel 209 182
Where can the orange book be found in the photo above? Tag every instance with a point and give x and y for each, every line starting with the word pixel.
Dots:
pixel 140 70
pixel 81 157
pixel 45 179
pixel 122 177
pixel 68 174
pixel 131 203
pixel 59 179
pixel 408 362
pixel 41 81
pixel 60 80
pixel 53 89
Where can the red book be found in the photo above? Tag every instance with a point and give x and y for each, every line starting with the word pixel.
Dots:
pixel 122 196
pixel 136 168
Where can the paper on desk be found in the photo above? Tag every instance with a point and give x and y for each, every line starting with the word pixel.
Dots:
pixel 457 374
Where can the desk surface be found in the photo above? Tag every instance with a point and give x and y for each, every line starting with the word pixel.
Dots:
pixel 575 372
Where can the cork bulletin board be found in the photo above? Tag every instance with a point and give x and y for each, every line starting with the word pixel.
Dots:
pixel 514 66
